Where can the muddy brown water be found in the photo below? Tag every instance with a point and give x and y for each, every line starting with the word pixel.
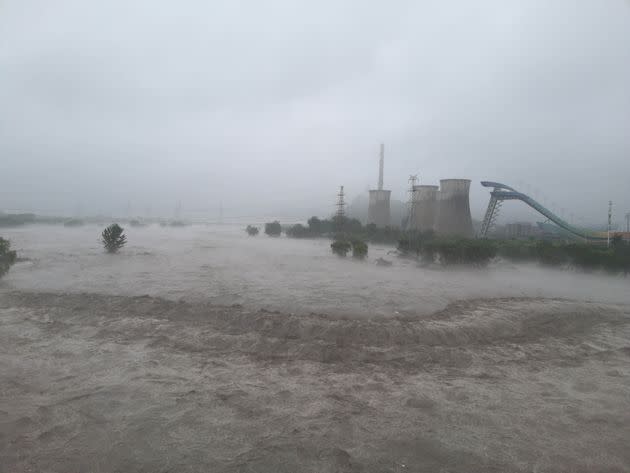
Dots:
pixel 221 264
pixel 200 349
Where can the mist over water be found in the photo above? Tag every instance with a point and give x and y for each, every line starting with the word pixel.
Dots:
pixel 222 265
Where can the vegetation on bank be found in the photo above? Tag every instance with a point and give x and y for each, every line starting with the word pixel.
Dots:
pixel 16 220
pixel 113 238
pixel 7 256
pixel 430 249
pixel 479 252
pixel 251 230
pixel 136 223
pixel 273 228
pixel 173 223
pixel 448 252
pixel 73 222
pixel 351 227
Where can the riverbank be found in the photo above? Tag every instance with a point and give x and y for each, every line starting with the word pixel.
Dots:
pixel 111 383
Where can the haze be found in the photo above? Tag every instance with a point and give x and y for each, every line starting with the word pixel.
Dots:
pixel 267 109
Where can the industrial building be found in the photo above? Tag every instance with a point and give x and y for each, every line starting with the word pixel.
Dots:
pixel 518 230
pixel 453 216
pixel 379 205
pixel 424 207
pixel 444 210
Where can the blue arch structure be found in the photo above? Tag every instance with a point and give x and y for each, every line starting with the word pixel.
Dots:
pixel 501 193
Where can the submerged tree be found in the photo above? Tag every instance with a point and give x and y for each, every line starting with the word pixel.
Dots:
pixel 340 247
pixel 251 230
pixel 7 257
pixel 273 228
pixel 113 238
pixel 359 249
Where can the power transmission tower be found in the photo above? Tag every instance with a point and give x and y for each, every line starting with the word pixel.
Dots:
pixel 410 203
pixel 341 213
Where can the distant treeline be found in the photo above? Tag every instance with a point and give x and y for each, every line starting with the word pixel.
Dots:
pixel 479 252
pixel 353 228
pixel 16 220
pixel 430 248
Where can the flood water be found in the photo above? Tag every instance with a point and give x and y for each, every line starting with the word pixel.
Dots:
pixel 223 265
pixel 199 378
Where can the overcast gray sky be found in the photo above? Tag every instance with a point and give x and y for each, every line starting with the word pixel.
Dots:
pixel 269 106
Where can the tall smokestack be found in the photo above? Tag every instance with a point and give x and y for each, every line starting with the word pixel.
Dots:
pixel 381 165
pixel 378 208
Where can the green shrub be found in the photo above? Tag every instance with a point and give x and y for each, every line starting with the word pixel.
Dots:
pixel 113 238
pixel 251 230
pixel 459 252
pixel 517 250
pixel 549 254
pixel 586 257
pixel 300 231
pixel 273 228
pixel 359 249
pixel 7 256
pixel 340 247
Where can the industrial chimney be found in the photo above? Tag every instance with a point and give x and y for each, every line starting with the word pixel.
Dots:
pixel 378 210
pixel 453 216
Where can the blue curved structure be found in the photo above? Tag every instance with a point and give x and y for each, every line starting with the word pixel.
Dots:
pixel 501 193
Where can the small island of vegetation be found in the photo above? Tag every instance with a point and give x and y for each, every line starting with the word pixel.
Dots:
pixel 7 256
pixel 252 230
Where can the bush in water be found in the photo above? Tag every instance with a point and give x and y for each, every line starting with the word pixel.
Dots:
pixel 359 249
pixel 113 238
pixel 273 228
pixel 7 257
pixel 340 247
pixel 251 230
pixel 300 231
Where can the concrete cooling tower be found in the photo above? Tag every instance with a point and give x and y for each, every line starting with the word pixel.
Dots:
pixel 424 207
pixel 453 216
pixel 378 209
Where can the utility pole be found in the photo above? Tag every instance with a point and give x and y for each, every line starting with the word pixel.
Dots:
pixel 628 222
pixel 609 220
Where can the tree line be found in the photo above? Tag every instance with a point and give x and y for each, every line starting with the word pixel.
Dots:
pixel 349 234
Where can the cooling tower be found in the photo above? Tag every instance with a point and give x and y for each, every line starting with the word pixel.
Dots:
pixel 378 210
pixel 424 207
pixel 453 216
